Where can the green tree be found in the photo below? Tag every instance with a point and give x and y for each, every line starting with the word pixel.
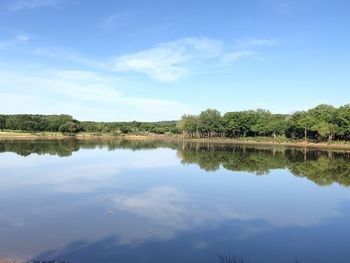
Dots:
pixel 29 126
pixel 240 124
pixel 209 123
pixel 278 127
pixel 2 122
pixel 188 124
pixel 232 124
pixel 262 124
pixel 324 118
pixel 54 122
pixel 305 122
pixel 125 129
pixel 69 127
pixel 342 120
pixel 322 112
pixel 326 130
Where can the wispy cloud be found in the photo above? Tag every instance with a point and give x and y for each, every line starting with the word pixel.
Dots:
pixel 169 61
pixel 235 56
pixel 257 42
pixel 56 54
pixel 15 41
pixel 18 5
pixel 87 95
pixel 116 21
pixel 173 60
pixel 165 62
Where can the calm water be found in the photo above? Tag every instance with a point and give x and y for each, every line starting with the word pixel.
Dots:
pixel 120 201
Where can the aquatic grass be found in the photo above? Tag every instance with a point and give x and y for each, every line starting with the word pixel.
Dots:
pixel 223 258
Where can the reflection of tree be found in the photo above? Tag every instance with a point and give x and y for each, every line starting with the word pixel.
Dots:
pixel 66 147
pixel 254 163
pixel 324 171
pixel 322 167
pixel 206 159
pixel 234 158
pixel 53 147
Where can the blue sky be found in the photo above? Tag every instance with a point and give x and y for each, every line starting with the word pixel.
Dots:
pixel 156 60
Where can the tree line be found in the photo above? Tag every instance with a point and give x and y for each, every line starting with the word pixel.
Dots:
pixel 67 124
pixel 323 122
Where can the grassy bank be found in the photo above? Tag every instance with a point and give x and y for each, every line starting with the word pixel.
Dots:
pixel 279 141
pixel 59 135
pixel 267 142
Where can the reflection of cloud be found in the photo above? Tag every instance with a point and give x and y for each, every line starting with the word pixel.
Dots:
pixel 141 205
pixel 163 204
pixel 201 244
pixel 85 171
pixel 179 210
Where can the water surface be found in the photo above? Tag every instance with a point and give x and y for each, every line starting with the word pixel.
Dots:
pixel 142 201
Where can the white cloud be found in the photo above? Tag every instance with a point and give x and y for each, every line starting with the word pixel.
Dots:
pixel 69 55
pixel 169 61
pixel 172 60
pixel 86 95
pixel 30 4
pixel 116 21
pixel 257 42
pixel 235 56
pixel 165 62
pixel 15 41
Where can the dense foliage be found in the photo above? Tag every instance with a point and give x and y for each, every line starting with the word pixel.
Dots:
pixel 323 122
pixel 133 127
pixel 27 122
pixel 66 124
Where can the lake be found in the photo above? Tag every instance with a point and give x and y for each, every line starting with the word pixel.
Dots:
pixel 158 202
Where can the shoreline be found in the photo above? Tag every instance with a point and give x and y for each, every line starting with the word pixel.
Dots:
pixel 252 142
pixel 270 143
